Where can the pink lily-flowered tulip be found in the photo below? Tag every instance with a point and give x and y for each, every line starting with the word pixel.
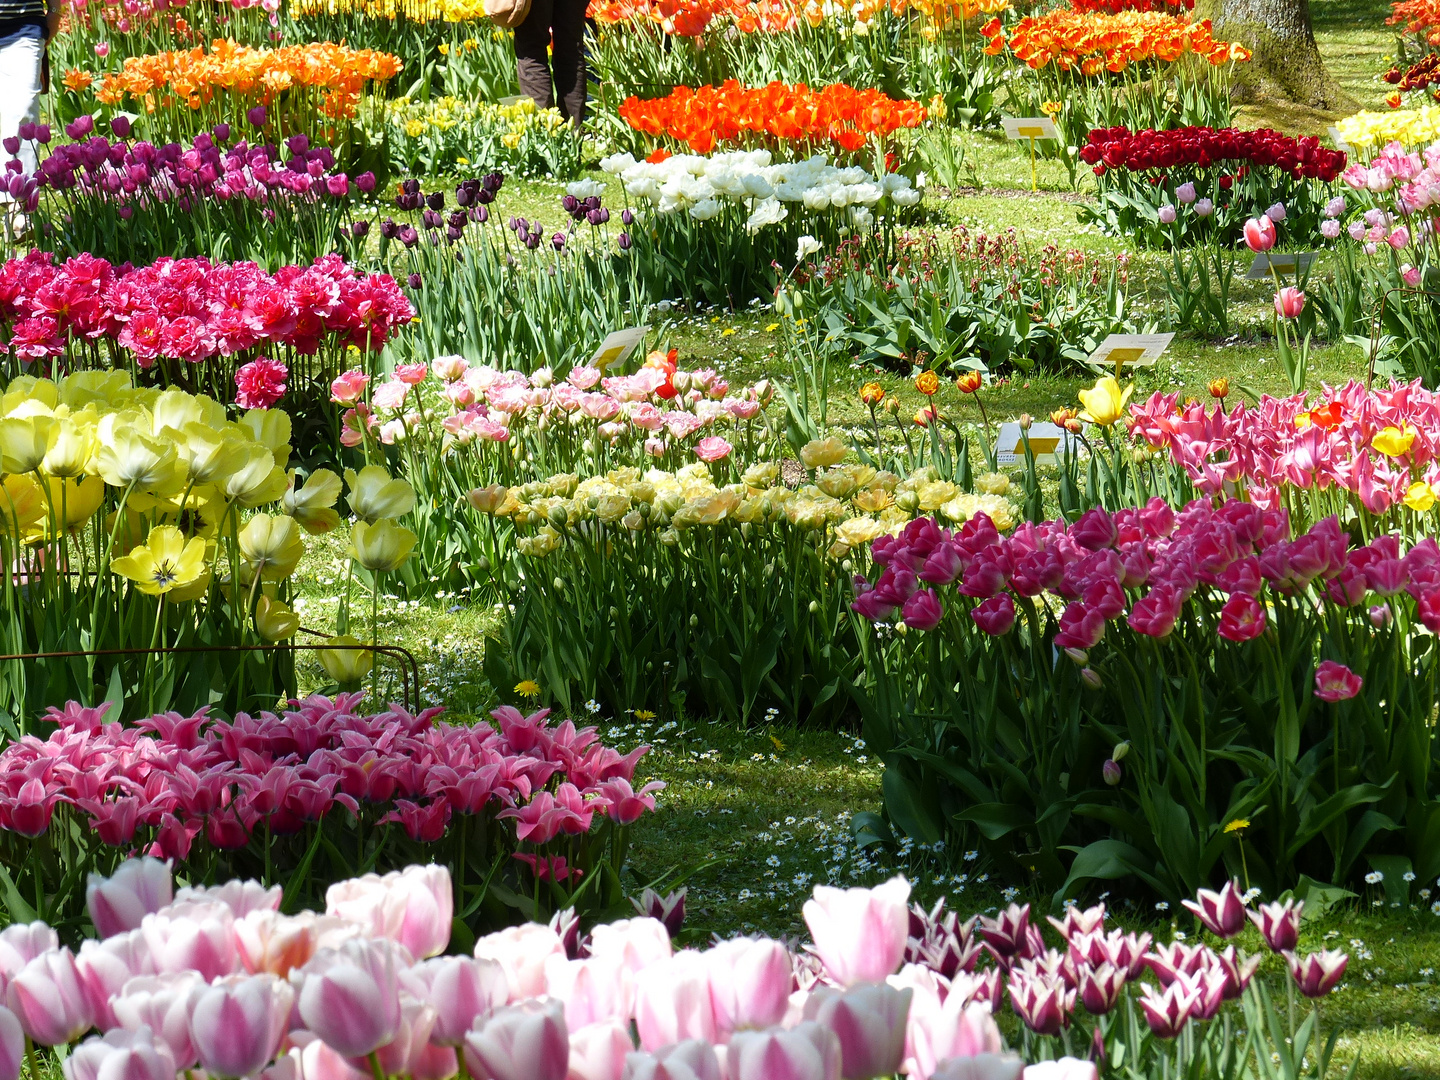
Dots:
pixel 49 1000
pixel 1279 924
pixel 1317 973
pixel 192 935
pixel 804 1052
pixel 693 1059
pixel 350 995
pixel 137 888
pixel 522 952
pixel 634 944
pixel 121 1055
pixel 1222 913
pixel 750 983
pixel 598 1051
pixel 12 1045
pixel 1067 1068
pixel 673 1001
pixel 236 1024
pixel 860 934
pixel 520 1042
pixel 459 989
pixel 1168 1011
pixel 870 1022
pixel 106 966
pixel 22 942
pixel 161 1003
pixel 414 906
pixel 980 1067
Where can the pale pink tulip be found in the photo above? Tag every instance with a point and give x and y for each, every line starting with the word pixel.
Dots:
pixel 401 1055
pixel 634 944
pixel 350 996
pixel 869 1021
pixel 860 934
pixel 49 1000
pixel 980 1067
pixel 432 1062
pixel 22 942
pixel 162 1003
pixel 672 1001
pixel 459 989
pixel 750 984
pixel 593 990
pixel 241 897
pixel 522 952
pixel 318 1062
pixel 137 888
pixel 237 1023
pixel 413 906
pixel 192 935
pixel 106 966
pixel 960 1028
pixel 805 1052
pixel 12 1045
pixel 597 1051
pixel 121 1055
pixel 520 1042
pixel 1067 1068
pixel 268 941
pixel 694 1059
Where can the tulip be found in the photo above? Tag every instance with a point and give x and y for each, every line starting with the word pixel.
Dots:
pixel 374 495
pixel 162 1004
pixel 593 990
pixel 668 910
pixel 526 1042
pixel 1335 682
pixel 406 1052
pixel 1276 213
pixel 1105 401
pixel 22 942
pixel 1110 772
pixel 1279 924
pixel 413 906
pixel 137 888
pixel 923 611
pixel 381 546
pixel 270 942
pixel 633 943
pixel 694 1059
pixel 870 1023
pixel 1042 1003
pixel 105 967
pixel 1166 214
pixel 805 1052
pixel 860 934
pixel 1260 234
pixel 750 983
pixel 317 1061
pixel 995 616
pixel 1242 618
pixel 522 951
pixel 980 1067
pixel 350 995
pixel 1185 194
pixel 1204 208
pixel 192 935
pixel 957 1028
pixel 459 989
pixel 12 1045
pixel 347 666
pixel 121 1055
pixel 49 1000
pixel 237 1023
pixel 1289 302
pixel 1318 973
pixel 1100 988
pixel 1222 913
pixel 597 1051
pixel 673 1001
pixel 1169 1011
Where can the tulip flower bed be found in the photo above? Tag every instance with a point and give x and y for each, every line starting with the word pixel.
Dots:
pixel 524 811
pixel 776 116
pixel 1143 176
pixel 130 200
pixel 452 134
pixel 217 977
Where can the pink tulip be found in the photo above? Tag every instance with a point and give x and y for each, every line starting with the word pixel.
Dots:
pixel 433 1062
pixel 870 1022
pixel 119 902
pixel 12 1045
pixel 162 1004
pixel 1316 974
pixel 1411 275
pixel 979 1067
pixel 750 983
pixel 121 1055
pixel 597 1051
pixel 593 990
pixel 860 934
pixel 405 1052
pixel 270 942
pixel 1222 913
pixel 1336 682
pixel 694 1059
pixel 318 1062
pixel 413 906
pixel 241 897
pixel 106 966
pixel 1289 302
pixel 1279 924
pixel 520 1042
pixel 673 1001
pixel 237 1023
pixel 1067 1068
pixel 22 942
pixel 634 944
pixel 49 1000
pixel 521 951
pixel 805 1052
pixel 350 995
pixel 1242 618
pixel 1260 234
pixel 459 989
pixel 349 387
pixel 712 448
pixel 192 935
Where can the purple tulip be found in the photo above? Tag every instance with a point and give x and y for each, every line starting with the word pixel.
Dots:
pixel 414 281
pixel 27 131
pixel 257 116
pixel 623 240
pixel 360 229
pixel 11 144
pixel 42 134
pixel 1222 913
pixel 626 217
pixel 1318 973
pixel 1279 924
pixel 365 182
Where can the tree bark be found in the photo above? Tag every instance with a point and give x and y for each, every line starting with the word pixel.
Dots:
pixel 1285 57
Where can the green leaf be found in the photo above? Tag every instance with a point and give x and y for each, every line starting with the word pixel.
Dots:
pixel 996 819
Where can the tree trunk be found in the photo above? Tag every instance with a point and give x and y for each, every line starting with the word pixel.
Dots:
pixel 1286 59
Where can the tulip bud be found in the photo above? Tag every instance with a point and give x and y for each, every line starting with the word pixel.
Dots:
pixel 1121 749
pixel 1110 771
pixel 1091 678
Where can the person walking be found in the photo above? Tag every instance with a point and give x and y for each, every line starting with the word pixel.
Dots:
pixel 557 79
pixel 26 27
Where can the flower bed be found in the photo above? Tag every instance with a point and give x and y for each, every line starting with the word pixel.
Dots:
pixel 454 134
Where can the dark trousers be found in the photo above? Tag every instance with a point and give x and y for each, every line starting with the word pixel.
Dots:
pixel 565 20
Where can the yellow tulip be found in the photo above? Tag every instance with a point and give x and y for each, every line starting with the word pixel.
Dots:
pixel 271 429
pixel 194 591
pixel 488 500
pixel 1392 442
pixel 126 458
pixel 174 410
pixel 381 545
pixel 1420 497
pixel 313 504
pixel 22 507
pixel 272 546
pixel 76 500
pixel 70 451
pixel 819 453
pixel 349 665
pixel 25 392
pixel 94 388
pixel 210 454
pixel 23 443
pixel 374 495
pixel 257 480
pixel 164 562
pixel 1105 401
pixel 274 620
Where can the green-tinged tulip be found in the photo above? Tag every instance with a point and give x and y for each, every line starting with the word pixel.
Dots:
pixel 211 454
pixel 272 546
pixel 257 480
pixel 274 619
pixel 374 495
pixel 23 443
pixel 313 504
pixel 346 666
pixel 164 562
pixel 271 429
pixel 126 458
pixel 71 448
pixel 382 546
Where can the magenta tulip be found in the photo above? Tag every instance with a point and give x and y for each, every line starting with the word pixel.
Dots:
pixel 860 934
pixel 750 983
pixel 350 995
pixel 520 1042
pixel 119 903
pixel 1279 924
pixel 598 1051
pixel 49 1000
pixel 1099 988
pixel 923 611
pixel 870 1023
pixel 1042 1003
pixel 1336 682
pixel 1318 973
pixel 459 989
pixel 236 1024
pixel 805 1052
pixel 1168 1011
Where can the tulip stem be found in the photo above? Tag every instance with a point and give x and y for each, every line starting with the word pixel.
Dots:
pixel 30 1056
pixel 375 1068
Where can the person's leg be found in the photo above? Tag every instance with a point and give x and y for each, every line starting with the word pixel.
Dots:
pixel 20 56
pixel 569 60
pixel 532 54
